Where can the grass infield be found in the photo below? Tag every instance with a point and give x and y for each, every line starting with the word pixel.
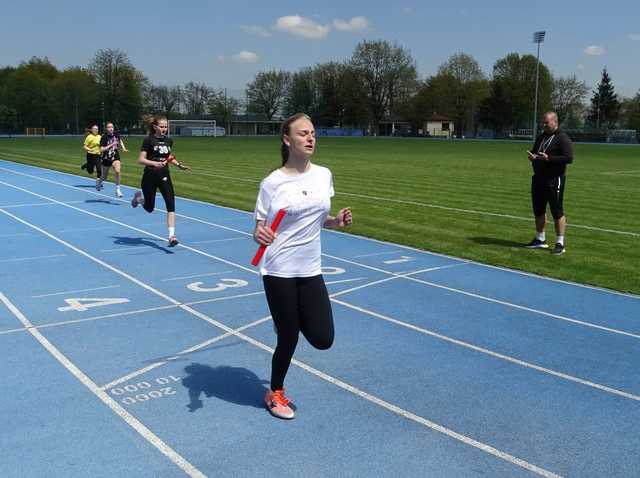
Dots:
pixel 469 199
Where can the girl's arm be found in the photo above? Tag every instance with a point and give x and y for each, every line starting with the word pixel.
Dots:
pixel 124 148
pixel 343 219
pixel 142 159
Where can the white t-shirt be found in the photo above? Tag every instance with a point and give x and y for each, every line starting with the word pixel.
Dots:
pixel 307 200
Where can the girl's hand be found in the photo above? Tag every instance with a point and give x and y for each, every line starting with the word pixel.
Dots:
pixel 263 235
pixel 159 164
pixel 344 218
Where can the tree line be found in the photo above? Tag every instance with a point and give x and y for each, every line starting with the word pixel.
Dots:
pixel 379 82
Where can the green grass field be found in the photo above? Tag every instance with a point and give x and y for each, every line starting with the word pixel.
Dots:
pixel 433 195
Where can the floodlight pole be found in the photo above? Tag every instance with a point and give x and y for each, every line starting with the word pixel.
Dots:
pixel 538 37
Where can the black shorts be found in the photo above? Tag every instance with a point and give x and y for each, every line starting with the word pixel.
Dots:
pixel 548 191
pixel 93 162
pixel 154 180
pixel 108 162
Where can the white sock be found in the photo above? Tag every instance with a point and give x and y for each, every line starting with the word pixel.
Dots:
pixel 172 231
pixel 560 240
pixel 541 236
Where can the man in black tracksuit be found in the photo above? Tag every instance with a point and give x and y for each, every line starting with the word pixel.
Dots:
pixel 551 153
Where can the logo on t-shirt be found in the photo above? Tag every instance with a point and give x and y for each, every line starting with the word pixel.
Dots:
pixel 304 201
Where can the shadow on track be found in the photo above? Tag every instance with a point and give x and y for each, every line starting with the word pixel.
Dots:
pixel 232 384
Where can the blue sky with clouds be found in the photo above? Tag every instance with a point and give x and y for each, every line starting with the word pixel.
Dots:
pixel 224 44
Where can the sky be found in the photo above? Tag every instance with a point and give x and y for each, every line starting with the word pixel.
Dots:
pixel 224 44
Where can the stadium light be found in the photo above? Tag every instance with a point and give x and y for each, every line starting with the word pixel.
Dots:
pixel 538 38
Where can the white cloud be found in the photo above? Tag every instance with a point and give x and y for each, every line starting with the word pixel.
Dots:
pixel 256 30
pixel 595 50
pixel 300 26
pixel 222 58
pixel 356 24
pixel 245 57
pixel 580 66
pixel 634 36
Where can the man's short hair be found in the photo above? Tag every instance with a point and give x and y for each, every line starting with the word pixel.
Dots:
pixel 555 115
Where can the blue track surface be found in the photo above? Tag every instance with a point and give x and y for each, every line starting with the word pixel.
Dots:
pixel 121 357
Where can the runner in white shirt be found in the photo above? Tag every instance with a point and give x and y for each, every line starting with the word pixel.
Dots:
pixel 291 266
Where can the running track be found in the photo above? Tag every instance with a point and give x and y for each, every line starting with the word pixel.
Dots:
pixel 121 357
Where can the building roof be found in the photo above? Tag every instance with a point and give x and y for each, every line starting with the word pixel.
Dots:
pixel 438 117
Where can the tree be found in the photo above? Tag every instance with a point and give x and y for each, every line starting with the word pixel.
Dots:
pixel 196 97
pixel 388 74
pixel 120 87
pixel 8 118
pixel 28 94
pixel 267 92
pixel 76 101
pixel 164 99
pixel 630 113
pixel 223 107
pixel 467 88
pixel 605 106
pixel 567 99
pixel 514 78
pixel 302 95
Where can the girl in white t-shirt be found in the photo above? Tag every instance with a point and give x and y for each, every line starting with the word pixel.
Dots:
pixel 291 266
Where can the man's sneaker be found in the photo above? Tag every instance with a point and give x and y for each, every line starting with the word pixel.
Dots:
pixel 98 185
pixel 84 166
pixel 137 199
pixel 558 249
pixel 173 242
pixel 119 193
pixel 537 244
pixel 278 404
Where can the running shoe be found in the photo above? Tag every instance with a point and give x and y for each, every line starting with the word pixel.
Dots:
pixel 119 193
pixel 173 242
pixel 137 199
pixel 278 404
pixel 84 166
pixel 558 249
pixel 537 244
pixel 98 185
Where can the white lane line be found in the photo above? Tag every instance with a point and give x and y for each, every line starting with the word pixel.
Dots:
pixel 141 247
pixel 345 281
pixel 179 355
pixel 150 234
pixel 195 276
pixel 491 353
pixel 34 258
pixel 587 324
pixel 378 254
pixel 210 241
pixel 132 421
pixel 495 301
pixel 345 386
pixel 394 276
pixel 480 213
pixel 330 231
pixel 74 291
pixel 15 206
pixel 90 319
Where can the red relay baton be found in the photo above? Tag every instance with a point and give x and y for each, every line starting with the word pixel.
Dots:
pixel 274 227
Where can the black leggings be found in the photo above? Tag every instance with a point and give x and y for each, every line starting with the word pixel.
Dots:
pixel 93 161
pixel 297 304
pixel 151 182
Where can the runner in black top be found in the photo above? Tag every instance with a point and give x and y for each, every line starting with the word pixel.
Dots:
pixel 156 156
pixel 109 144
pixel 551 153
